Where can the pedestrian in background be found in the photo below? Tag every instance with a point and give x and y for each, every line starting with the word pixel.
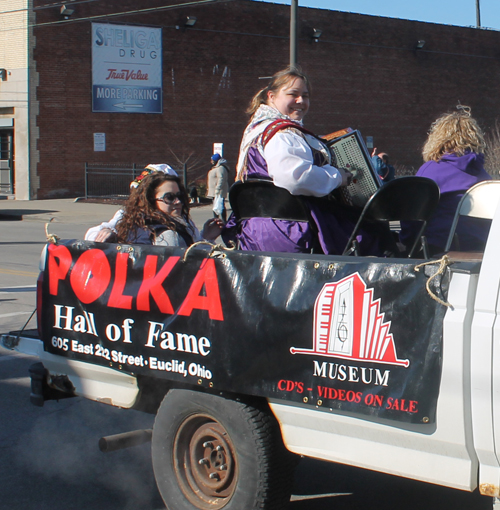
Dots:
pixel 218 185
pixel 385 171
pixel 193 195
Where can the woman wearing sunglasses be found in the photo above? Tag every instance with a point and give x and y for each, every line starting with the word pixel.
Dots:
pixel 157 212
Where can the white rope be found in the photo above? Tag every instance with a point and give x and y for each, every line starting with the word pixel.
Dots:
pixel 51 238
pixel 443 262
pixel 215 247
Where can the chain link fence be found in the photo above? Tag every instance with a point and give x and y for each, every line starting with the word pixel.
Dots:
pixel 112 180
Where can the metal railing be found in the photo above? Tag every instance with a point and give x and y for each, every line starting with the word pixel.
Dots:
pixel 113 180
pixel 110 180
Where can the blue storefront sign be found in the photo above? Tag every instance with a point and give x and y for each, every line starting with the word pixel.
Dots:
pixel 126 69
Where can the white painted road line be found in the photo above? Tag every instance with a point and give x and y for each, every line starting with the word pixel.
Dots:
pixel 10 357
pixel 18 288
pixel 18 381
pixel 13 314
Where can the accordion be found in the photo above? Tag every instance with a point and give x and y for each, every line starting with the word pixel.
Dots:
pixel 348 150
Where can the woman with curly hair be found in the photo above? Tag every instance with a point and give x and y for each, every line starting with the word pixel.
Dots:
pixel 454 159
pixel 157 212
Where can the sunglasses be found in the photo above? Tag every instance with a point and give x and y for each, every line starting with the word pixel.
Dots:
pixel 169 198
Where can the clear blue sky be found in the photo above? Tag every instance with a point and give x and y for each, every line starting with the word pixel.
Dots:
pixel 447 12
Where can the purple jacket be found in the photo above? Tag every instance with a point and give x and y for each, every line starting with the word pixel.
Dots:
pixel 333 223
pixel 454 175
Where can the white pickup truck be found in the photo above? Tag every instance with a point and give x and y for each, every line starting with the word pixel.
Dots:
pixel 248 358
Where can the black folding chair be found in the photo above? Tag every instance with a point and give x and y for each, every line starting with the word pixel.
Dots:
pixel 403 199
pixel 260 198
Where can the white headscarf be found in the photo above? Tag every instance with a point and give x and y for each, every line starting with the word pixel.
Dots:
pixel 151 169
pixel 264 115
pixel 163 167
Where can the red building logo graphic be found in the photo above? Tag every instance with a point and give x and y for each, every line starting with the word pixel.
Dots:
pixel 348 324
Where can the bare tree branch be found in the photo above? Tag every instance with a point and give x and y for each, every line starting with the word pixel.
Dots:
pixel 492 152
pixel 196 168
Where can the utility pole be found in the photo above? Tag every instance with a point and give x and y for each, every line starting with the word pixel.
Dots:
pixel 478 15
pixel 293 32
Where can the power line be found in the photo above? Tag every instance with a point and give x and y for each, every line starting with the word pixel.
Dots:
pixel 127 13
pixel 204 2
pixel 112 15
pixel 58 4
pixel 16 10
pixel 49 6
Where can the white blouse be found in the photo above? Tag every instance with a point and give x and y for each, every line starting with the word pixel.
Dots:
pixel 91 233
pixel 290 162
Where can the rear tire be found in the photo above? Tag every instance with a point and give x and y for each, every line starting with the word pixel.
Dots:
pixel 210 452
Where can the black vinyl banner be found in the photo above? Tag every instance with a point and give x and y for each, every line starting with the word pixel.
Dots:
pixel 357 336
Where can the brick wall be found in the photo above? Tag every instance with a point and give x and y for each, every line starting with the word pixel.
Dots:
pixel 365 73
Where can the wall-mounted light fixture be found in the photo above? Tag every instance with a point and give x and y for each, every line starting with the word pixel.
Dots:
pixel 420 44
pixel 190 21
pixel 66 11
pixel 3 74
pixel 316 34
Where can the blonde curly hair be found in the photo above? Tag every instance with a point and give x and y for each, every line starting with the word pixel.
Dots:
pixel 454 133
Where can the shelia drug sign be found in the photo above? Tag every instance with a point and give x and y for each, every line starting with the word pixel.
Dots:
pixel 126 69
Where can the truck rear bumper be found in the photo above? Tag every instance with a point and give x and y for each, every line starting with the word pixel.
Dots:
pixel 94 382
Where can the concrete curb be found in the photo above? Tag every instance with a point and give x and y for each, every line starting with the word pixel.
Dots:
pixel 68 211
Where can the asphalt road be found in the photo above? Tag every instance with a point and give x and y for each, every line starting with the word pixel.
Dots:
pixel 49 458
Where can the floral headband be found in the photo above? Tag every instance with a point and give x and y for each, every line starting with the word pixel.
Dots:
pixel 151 169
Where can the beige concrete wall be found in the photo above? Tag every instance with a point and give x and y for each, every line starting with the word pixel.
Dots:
pixel 13 40
pixel 14 90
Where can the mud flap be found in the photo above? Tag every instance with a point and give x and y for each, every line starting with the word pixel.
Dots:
pixel 46 387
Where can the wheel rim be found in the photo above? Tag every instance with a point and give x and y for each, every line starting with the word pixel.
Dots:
pixel 205 462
